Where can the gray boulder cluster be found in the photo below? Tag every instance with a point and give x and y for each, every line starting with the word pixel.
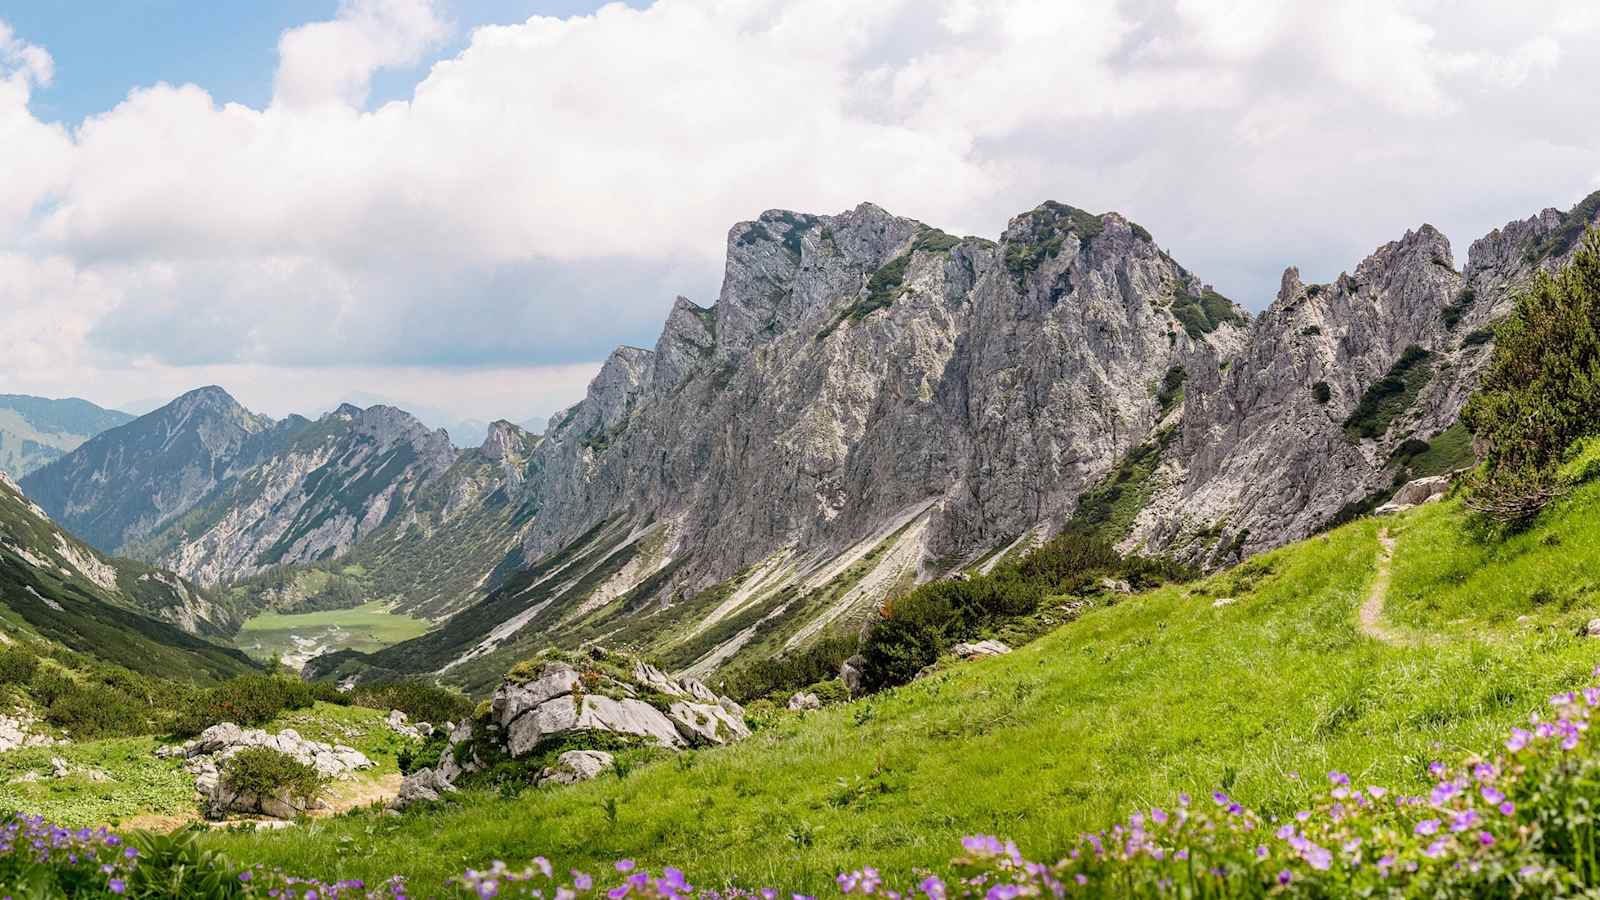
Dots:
pixel 554 700
pixel 17 731
pixel 205 758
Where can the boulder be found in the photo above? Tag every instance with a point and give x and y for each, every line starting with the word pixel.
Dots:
pixel 223 801
pixel 706 723
pixel 1116 586
pixel 400 724
pixel 203 758
pixel 513 699
pixel 977 649
pixel 1592 629
pixel 850 673
pixel 804 700
pixel 577 765
pixel 1415 493
pixel 423 785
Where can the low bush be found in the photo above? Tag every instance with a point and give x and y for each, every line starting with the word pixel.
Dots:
pixel 918 626
pixel 246 700
pixel 425 755
pixel 266 772
pixel 421 701
pixel 18 664
pixel 783 675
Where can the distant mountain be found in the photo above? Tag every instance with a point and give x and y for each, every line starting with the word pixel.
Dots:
pixel 125 484
pixel 144 618
pixel 36 430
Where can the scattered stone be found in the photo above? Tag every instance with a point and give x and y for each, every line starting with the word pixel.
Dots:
pixel 978 649
pixel 1590 630
pixel 1223 601
pixel 399 723
pixel 577 765
pixel 1116 586
pixel 18 732
pixel 804 700
pixel 59 768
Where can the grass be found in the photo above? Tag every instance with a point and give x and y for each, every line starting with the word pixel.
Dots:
pixel 139 782
pixel 367 628
pixel 138 788
pixel 1480 582
pixel 1124 707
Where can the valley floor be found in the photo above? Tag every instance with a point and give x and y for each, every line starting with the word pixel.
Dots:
pixel 297 638
pixel 1256 681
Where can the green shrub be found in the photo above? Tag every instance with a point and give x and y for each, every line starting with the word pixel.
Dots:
pixel 89 711
pixel 264 772
pixel 246 700
pixel 1321 393
pixel 424 755
pixel 421 701
pixel 1541 391
pixel 918 626
pixel 18 665
pixel 783 675
pixel 1391 395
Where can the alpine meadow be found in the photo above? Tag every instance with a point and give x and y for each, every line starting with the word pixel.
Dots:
pixel 421 537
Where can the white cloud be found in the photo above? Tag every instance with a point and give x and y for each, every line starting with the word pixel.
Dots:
pixel 546 191
pixel 333 62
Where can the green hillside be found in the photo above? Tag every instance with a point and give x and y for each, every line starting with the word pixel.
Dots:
pixel 53 586
pixel 1257 680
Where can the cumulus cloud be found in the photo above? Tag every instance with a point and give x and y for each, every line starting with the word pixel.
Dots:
pixel 333 62
pixel 544 192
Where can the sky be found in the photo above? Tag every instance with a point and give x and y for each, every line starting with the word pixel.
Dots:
pixel 462 206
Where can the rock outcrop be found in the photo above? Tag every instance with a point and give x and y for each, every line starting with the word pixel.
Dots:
pixel 19 731
pixel 607 699
pixel 206 756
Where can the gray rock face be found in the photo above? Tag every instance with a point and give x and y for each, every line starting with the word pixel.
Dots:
pixel 978 649
pixel 574 766
pixel 1263 459
pixel 599 694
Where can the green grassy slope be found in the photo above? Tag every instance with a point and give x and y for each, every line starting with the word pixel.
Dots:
pixel 1168 691
pixel 46 589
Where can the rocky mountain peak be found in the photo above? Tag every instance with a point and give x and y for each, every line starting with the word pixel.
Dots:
pixel 507 441
pixel 688 341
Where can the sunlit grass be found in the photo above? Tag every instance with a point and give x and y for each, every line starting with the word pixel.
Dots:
pixel 1127 706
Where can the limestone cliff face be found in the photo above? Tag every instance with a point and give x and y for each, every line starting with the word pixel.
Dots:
pixel 1269 452
pixel 861 365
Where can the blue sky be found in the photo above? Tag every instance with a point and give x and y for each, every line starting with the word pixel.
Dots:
pixel 229 46
pixel 269 223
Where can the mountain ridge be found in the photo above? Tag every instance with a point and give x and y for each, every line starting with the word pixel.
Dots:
pixel 872 402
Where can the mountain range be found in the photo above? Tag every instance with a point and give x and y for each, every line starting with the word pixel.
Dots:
pixel 870 402
pixel 36 430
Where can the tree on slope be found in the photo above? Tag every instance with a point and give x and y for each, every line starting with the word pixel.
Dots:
pixel 1541 392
